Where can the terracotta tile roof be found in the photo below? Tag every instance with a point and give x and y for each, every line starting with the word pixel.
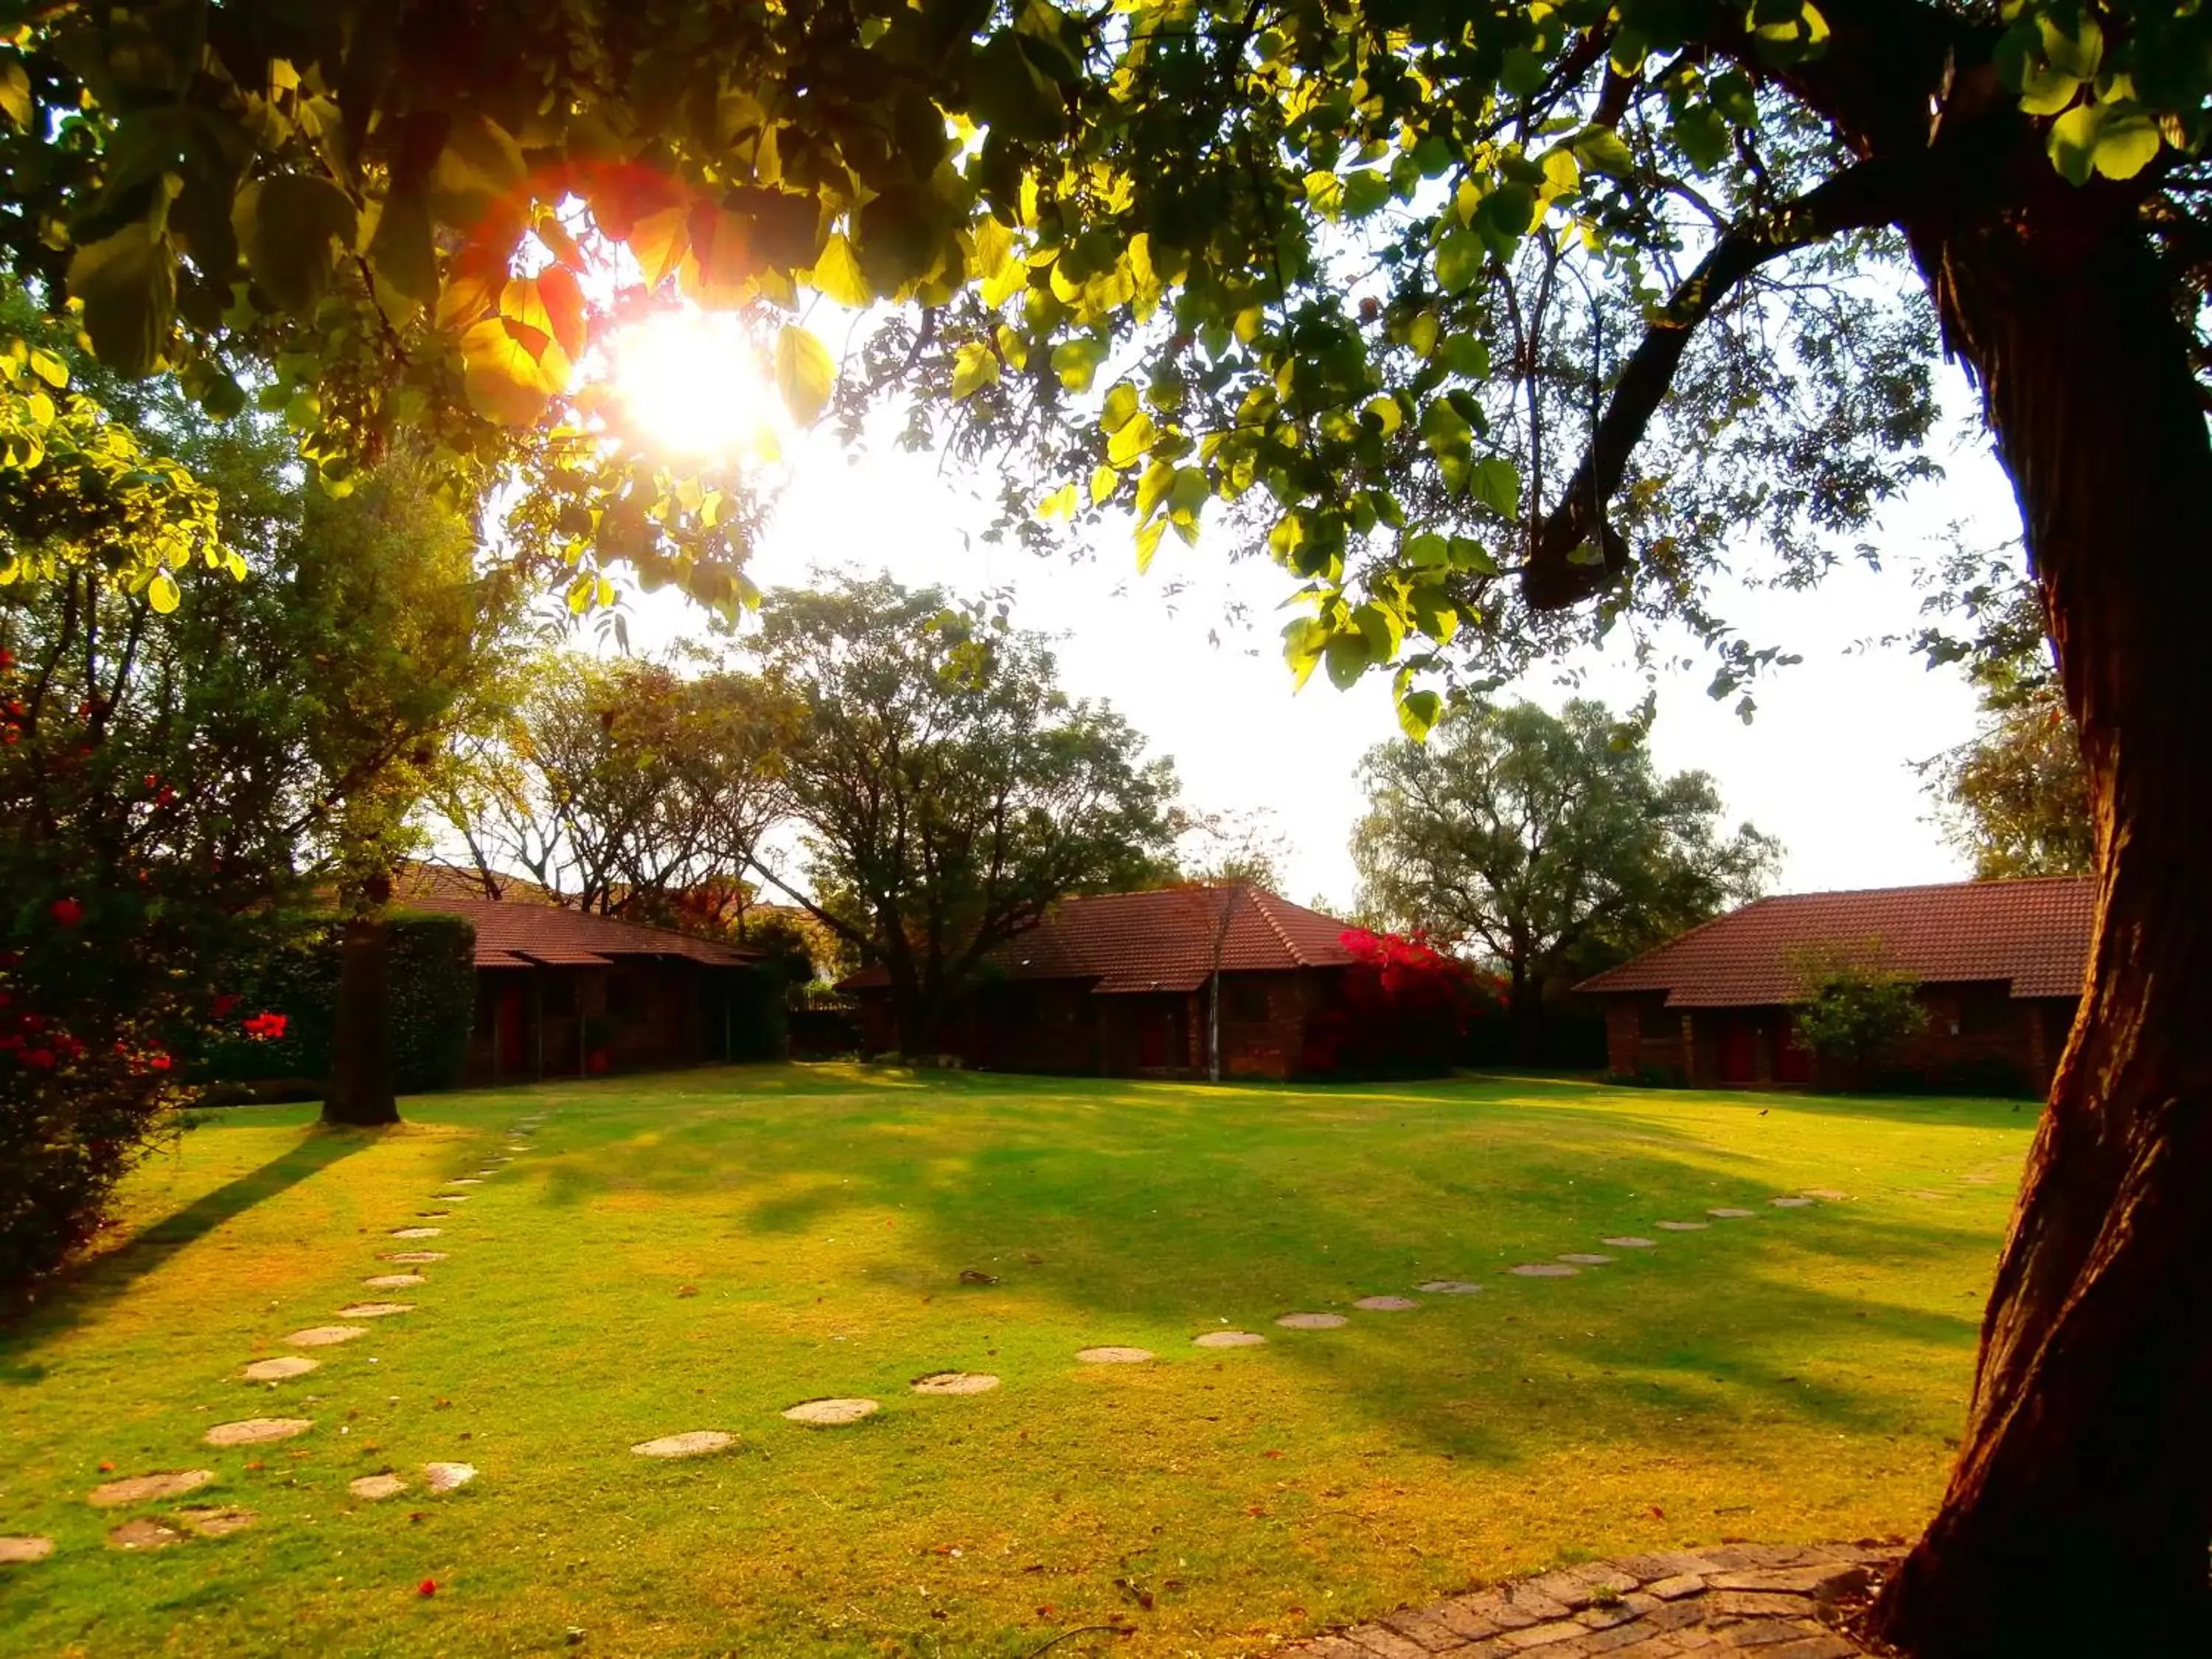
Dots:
pixel 514 935
pixel 2034 934
pixel 1162 940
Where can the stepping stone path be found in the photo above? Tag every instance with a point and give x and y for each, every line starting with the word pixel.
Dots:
pixel 450 1198
pixel 1449 1287
pixel 416 1255
pixel 257 1431
pixel 375 1487
pixel 1790 1203
pixel 395 1281
pixel 697 1442
pixel 1731 1215
pixel 1585 1259
pixel 1113 1356
pixel 447 1477
pixel 143 1534
pixel 1386 1304
pixel 1684 1226
pixel 324 1336
pixel 465 1180
pixel 376 1309
pixel 955 1382
pixel 1312 1322
pixel 1739 1597
pixel 1544 1270
pixel 1828 1192
pixel 212 1522
pixel 16 1550
pixel 1629 1242
pixel 416 1232
pixel 432 1215
pixel 1230 1340
pixel 144 1488
pixel 830 1413
pixel 276 1369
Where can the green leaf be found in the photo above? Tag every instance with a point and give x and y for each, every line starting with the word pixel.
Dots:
pixel 805 374
pixel 15 94
pixel 2128 141
pixel 1459 259
pixel 1077 361
pixel 1346 656
pixel 1104 481
pixel 2073 143
pixel 1148 543
pixel 974 366
pixel 402 258
pixel 1421 334
pixel 48 367
pixel 290 227
pixel 479 175
pixel 1365 190
pixel 1387 414
pixel 1600 149
pixel 1418 712
pixel 1426 550
pixel 509 370
pixel 1522 72
pixel 1120 408
pixel 1132 439
pixel 128 282
pixel 1700 133
pixel 1496 485
pixel 1467 356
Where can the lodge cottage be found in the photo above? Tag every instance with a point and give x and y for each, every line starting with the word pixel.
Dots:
pixel 1120 985
pixel 1998 967
pixel 562 992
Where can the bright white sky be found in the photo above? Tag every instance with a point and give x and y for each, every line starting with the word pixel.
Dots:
pixel 1825 767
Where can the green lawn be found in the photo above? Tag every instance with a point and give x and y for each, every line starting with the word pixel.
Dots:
pixel 699 1251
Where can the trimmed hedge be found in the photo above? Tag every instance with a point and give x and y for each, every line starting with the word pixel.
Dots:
pixel 434 1003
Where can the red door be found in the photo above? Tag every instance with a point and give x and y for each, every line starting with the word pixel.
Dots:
pixel 1159 1035
pixel 1793 1061
pixel 510 1018
pixel 1739 1048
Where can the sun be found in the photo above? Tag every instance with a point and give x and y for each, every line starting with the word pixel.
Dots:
pixel 693 382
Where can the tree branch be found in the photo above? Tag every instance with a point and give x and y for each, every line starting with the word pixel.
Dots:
pixel 1869 194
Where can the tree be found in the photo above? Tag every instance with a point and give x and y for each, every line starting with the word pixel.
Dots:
pixel 1851 1011
pixel 1546 843
pixel 2014 797
pixel 620 787
pixel 950 792
pixel 1375 269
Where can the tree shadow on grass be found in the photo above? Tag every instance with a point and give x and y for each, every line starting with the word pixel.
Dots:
pixel 75 1297
pixel 1141 1206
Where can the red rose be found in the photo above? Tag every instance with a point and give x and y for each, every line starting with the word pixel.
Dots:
pixel 428 1586
pixel 39 1059
pixel 66 911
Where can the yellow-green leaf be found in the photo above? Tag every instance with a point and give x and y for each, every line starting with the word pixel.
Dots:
pixel 15 93
pixel 1060 504
pixel 974 366
pixel 403 257
pixel 510 369
pixel 128 282
pixel 805 374
pixel 48 367
pixel 836 274
pixel 1104 481
pixel 162 593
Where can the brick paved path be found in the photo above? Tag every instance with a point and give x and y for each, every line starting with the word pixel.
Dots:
pixel 1772 1603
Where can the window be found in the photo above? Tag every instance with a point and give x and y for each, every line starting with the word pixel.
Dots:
pixel 1244 1000
pixel 1656 1020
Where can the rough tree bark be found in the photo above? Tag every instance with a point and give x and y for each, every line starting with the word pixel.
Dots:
pixel 361 1093
pixel 2080 1511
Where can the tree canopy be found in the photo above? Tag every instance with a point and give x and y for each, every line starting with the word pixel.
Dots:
pixel 1546 844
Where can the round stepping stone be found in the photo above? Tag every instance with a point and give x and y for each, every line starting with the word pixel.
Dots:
pixel 1306 1321
pixel 416 1232
pixel 466 1181
pixel 1731 1215
pixel 143 1534
pixel 13 1551
pixel 1230 1340
pixel 324 1336
pixel 257 1431
pixel 212 1522
pixel 376 1309
pixel 375 1487
pixel 1385 1303
pixel 1586 1259
pixel 433 1215
pixel 1544 1270
pixel 1829 1194
pixel 830 1413
pixel 416 1255
pixel 956 1382
pixel 1791 1203
pixel 1630 1241
pixel 142 1488
pixel 447 1477
pixel 1449 1287
pixel 1110 1355
pixel 395 1281
pixel 1684 1226
pixel 696 1443
pixel 449 1198
pixel 276 1369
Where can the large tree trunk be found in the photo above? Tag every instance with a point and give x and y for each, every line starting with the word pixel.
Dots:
pixel 360 1093
pixel 2080 1511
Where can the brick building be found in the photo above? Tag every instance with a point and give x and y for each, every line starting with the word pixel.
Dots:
pixel 561 993
pixel 1121 985
pixel 1999 966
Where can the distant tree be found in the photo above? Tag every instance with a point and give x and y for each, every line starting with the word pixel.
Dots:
pixel 789 945
pixel 949 790
pixel 622 786
pixel 1545 843
pixel 1851 1011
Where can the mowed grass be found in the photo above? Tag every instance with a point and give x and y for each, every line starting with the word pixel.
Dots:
pixel 1794 1376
